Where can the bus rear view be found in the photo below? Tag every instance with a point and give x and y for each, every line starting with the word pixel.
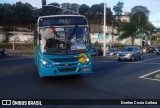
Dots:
pixel 62 46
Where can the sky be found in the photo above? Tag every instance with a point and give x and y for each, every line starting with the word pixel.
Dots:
pixel 152 5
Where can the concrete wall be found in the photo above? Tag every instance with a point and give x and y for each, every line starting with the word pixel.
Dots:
pixel 21 38
pixel 128 41
pixel 2 37
pixel 94 38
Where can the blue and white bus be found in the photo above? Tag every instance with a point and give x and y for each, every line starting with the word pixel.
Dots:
pixel 62 45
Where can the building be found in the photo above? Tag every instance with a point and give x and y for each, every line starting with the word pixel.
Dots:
pixel 97 30
pixel 21 35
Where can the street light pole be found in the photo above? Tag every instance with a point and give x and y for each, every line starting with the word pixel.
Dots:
pixel 14 39
pixel 104 30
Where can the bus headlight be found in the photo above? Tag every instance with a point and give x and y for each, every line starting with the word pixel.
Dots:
pixel 87 61
pixel 45 63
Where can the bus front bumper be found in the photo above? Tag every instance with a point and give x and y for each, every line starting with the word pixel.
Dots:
pixel 60 71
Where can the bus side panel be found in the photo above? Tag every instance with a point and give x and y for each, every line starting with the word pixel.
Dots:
pixel 35 51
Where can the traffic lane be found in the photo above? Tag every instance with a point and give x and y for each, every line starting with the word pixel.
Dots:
pixel 152 59
pixel 147 60
pixel 15 61
pixel 29 85
pixel 24 59
pixel 125 79
pixel 109 80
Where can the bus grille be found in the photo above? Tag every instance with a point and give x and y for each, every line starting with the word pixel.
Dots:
pixel 69 64
pixel 64 59
pixel 67 70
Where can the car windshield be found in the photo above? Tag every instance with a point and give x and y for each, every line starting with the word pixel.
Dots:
pixel 64 40
pixel 127 49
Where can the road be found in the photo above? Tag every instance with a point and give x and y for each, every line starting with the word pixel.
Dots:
pixel 110 80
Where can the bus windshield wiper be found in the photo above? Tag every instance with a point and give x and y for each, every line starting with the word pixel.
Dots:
pixel 55 32
pixel 73 31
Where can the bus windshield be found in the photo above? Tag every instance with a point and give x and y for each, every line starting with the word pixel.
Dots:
pixel 64 40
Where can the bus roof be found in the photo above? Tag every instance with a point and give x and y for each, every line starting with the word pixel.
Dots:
pixel 59 20
pixel 47 16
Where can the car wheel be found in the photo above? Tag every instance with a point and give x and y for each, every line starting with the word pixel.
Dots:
pixel 0 55
pixel 141 57
pixel 132 58
pixel 118 59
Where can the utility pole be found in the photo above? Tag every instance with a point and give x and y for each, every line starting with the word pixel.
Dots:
pixel 104 30
pixel 43 7
pixel 14 39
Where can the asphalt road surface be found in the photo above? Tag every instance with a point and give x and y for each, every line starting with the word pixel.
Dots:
pixel 110 80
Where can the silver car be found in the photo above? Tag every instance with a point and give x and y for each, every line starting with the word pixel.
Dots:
pixel 130 53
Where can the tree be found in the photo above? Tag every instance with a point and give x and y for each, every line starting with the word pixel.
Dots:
pixel 118 8
pixel 6 14
pixel 149 26
pixel 84 9
pixel 70 7
pixel 97 12
pixel 53 10
pixel 75 7
pixel 126 30
pixel 139 15
pixel 109 16
pixel 94 13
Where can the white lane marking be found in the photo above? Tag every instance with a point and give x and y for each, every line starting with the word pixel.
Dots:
pixel 143 76
pixel 151 79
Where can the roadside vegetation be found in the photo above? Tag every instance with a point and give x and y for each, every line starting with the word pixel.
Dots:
pixel 26 15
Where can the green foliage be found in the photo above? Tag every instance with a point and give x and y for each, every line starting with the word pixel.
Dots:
pixel 17 14
pixel 127 29
pixel 139 15
pixel 95 13
pixel 84 10
pixel 118 8
pixel 118 45
pixel 8 28
pixel 96 44
pixel 22 46
pixel 24 14
pixel 149 26
pixel 73 7
pixel 53 10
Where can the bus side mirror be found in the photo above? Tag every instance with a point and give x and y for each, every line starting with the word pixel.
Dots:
pixel 35 34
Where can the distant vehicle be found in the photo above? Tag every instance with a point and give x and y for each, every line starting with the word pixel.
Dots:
pixel 112 51
pixel 157 50
pixel 97 51
pixel 130 53
pixel 3 53
pixel 150 49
